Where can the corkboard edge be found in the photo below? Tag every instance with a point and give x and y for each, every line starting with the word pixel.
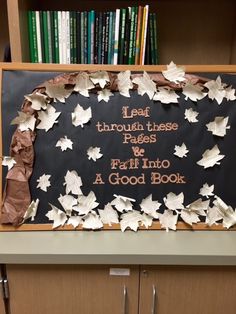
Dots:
pixel 114 68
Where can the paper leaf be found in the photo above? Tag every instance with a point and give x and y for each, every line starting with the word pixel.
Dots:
pixel 74 221
pixel 108 215
pixel 199 206
pixel 57 91
pixel 86 203
pixel 207 190
pixel 210 158
pixel 58 216
pixel 73 183
pixel 124 83
pixel 94 153
pixel 166 96
pixel 191 115
pixel 104 94
pixel 213 215
pixel 168 220
pixel 173 201
pixel 25 121
pixel 216 90
pixel 100 77
pixel 38 101
pixel 8 161
pixel 174 74
pixel 81 116
pixel 43 182
pixel 83 84
pixel 219 126
pixel 64 143
pixel 189 216
pixel 229 218
pixel 146 221
pixel 92 221
pixel 145 85
pixel 67 202
pixel 193 92
pixel 130 220
pixel 149 206
pixel 122 203
pixel 31 210
pixel 48 118
pixel 181 151
pixel 230 93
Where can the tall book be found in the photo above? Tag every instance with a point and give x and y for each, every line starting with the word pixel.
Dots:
pixel 144 34
pixel 138 35
pixel 45 37
pixel 155 37
pixel 60 36
pixel 50 48
pixel 127 36
pixel 78 37
pixel 116 44
pixel 122 36
pixel 32 36
pixel 39 36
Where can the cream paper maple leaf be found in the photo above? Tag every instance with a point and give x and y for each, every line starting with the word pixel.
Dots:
pixel 219 126
pixel 43 182
pixel 47 118
pixel 227 212
pixel 25 121
pixel 57 91
pixel 213 216
pixel 168 220
pixel 145 85
pixel 100 77
pixel 73 182
pixel 146 220
pixel 122 203
pixel 193 92
pixel 83 84
pixel 81 116
pixel 67 202
pixel 94 153
pixel 230 93
pixel 210 158
pixel 181 151
pixel 124 83
pixel 8 161
pixel 130 220
pixel 74 221
pixel 86 203
pixel 189 216
pixel 216 90
pixel 38 101
pixel 149 206
pixel 173 201
pixel 92 221
pixel 199 206
pixel 104 94
pixel 166 96
pixel 58 217
pixel 173 73
pixel 108 215
pixel 207 190
pixel 191 115
pixel 31 210
pixel 64 143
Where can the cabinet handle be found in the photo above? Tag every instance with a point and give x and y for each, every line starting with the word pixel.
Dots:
pixel 6 288
pixel 153 311
pixel 125 299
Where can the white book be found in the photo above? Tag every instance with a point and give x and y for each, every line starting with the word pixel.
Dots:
pixel 38 34
pixel 60 36
pixel 67 37
pixel 145 33
pixel 63 36
pixel 116 45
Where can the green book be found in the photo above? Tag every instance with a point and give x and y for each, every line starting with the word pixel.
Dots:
pixel 82 37
pixel 52 35
pixel 45 36
pixel 135 34
pixel 89 36
pixel 30 31
pixel 110 38
pixel 33 36
pixel 56 39
pixel 131 37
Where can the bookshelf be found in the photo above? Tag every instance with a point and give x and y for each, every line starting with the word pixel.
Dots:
pixel 189 31
pixel 4 37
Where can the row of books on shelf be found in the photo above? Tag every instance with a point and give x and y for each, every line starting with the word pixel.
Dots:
pixel 123 36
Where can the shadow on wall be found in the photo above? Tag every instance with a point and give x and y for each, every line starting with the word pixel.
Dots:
pixel 7 54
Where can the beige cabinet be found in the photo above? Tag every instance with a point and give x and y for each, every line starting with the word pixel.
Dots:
pixel 73 289
pixel 185 290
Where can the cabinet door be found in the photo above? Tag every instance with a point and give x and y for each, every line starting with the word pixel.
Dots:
pixel 56 289
pixel 2 309
pixel 182 290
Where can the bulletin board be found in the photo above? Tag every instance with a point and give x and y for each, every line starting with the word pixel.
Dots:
pixel 103 148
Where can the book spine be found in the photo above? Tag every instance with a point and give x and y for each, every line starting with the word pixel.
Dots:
pixel 78 37
pixel 52 35
pixel 35 53
pixel 116 44
pixel 30 36
pixel 110 38
pixel 82 37
pixel 92 22
pixel 89 37
pixel 45 36
pixel 38 36
pixel 147 56
pixel 49 37
pixel 71 37
pixel 138 36
pixel 106 37
pixel 103 37
pixel 56 39
pixel 135 34
pixel 74 37
pixel 113 36
pixel 151 30
pixel 122 36
pixel 67 16
pixel 96 37
pixel 60 36
pixel 131 37
pixel 86 37
pixel 100 32
pixel 155 37
pixel 144 34
pixel 127 35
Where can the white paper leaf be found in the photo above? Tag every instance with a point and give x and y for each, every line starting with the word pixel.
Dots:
pixel 48 118
pixel 94 153
pixel 83 84
pixel 124 83
pixel 219 126
pixel 166 96
pixel 173 201
pixel 122 203
pixel 145 85
pixel 31 210
pixel 149 206
pixel 173 73
pixel 92 221
pixel 67 202
pixel 216 90
pixel 100 77
pixel 74 221
pixel 81 116
pixel 199 206
pixel 210 158
pixel 73 183
pixel 108 215
pixel 130 220
pixel 64 143
pixel 104 94
pixel 86 203
pixel 189 216
pixel 58 216
pixel 230 93
pixel 43 182
pixel 57 91
pixel 191 115
pixel 168 220
pixel 207 190
pixel 146 220
pixel 38 101
pixel 213 215
pixel 25 121
pixel 193 92
pixel 181 151
pixel 8 161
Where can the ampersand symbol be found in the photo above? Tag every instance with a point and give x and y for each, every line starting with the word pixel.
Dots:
pixel 138 152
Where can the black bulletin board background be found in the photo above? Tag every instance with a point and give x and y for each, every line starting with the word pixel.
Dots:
pixel 51 160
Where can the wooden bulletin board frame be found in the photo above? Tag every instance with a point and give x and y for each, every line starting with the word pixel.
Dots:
pixel 114 68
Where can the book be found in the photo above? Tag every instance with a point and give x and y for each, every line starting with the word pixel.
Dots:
pixel 45 37
pixel 38 36
pixel 33 37
pixel 71 37
pixel 116 43
pixel 127 36
pixel 56 39
pixel 155 37
pixel 74 21
pixel 138 35
pixel 122 36
pixel 135 34
pixel 78 37
pixel 49 37
pixel 60 36
pixel 144 34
